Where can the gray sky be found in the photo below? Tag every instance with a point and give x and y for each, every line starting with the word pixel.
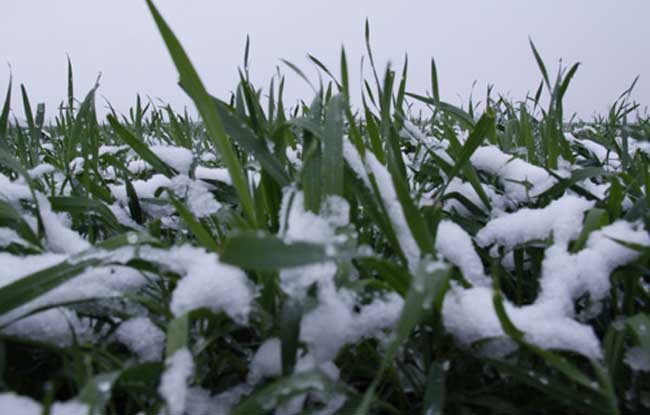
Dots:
pixel 480 41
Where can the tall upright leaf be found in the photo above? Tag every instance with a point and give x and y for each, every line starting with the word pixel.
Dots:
pixel 194 86
pixel 332 164
pixel 4 115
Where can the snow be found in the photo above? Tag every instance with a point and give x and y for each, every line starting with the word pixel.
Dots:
pixel 94 283
pixel 206 282
pixel 179 158
pixel 124 217
pixel 334 323
pixel 334 314
pixel 200 201
pixel 293 155
pixel 470 316
pixel 638 358
pixel 206 173
pixel 76 166
pixel 15 267
pixel 599 151
pixel 143 188
pixel 550 321
pixel 600 190
pixel 456 246
pixel 60 238
pixel 142 337
pixel 173 383
pixel 634 145
pixel 456 185
pixel 511 172
pixel 13 191
pixel 57 326
pixel 40 170
pixel 298 224
pixel 352 157
pixel 208 157
pixel 108 149
pixel 561 219
pixel 13 404
pixel 602 255
pixel 394 209
pixel 197 194
pixel 411 131
pixel 9 236
pixel 306 226
pixel 200 402
pixel 267 361
pixel 71 407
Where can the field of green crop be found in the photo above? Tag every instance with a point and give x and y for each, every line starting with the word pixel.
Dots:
pixel 325 258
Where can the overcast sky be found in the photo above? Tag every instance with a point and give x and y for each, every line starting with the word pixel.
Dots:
pixel 482 41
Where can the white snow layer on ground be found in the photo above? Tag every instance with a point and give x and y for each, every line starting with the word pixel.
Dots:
pixel 267 361
pixel 339 318
pixel 456 246
pixel 12 404
pixel 9 236
pixel 206 173
pixel 60 238
pixel 549 322
pixel 499 203
pixel 173 383
pixel 13 191
pixel 71 407
pixel 334 323
pixel 108 149
pixel 55 325
pixel 299 224
pixel 561 219
pixel 201 402
pixel 142 337
pixel 206 282
pixel 41 170
pixel 196 193
pixel 512 171
pixel 179 158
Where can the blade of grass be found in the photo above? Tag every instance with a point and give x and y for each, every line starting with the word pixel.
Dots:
pixel 36 284
pixel 194 86
pixel 290 334
pixel 246 138
pixel 273 253
pixel 203 235
pixel 332 156
pixel 540 63
pixel 141 148
pixel 4 115
pixel 177 334
pixel 427 285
